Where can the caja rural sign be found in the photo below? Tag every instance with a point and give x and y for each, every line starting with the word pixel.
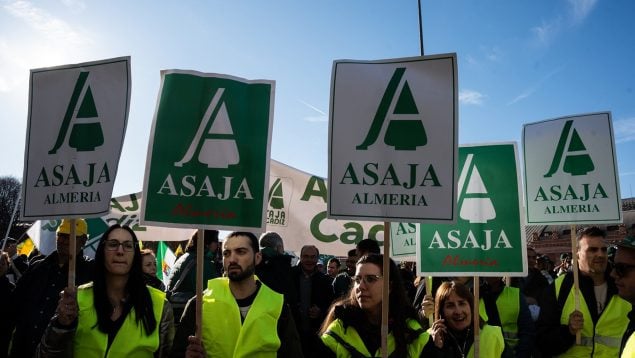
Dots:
pixel 571 171
pixel 208 157
pixel 488 239
pixel 77 123
pixel 393 139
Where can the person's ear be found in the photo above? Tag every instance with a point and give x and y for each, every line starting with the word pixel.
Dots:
pixel 258 258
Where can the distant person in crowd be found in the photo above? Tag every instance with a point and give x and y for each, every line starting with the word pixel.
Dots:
pixel 352 327
pixel 314 296
pixel 333 267
pixel 342 282
pixel 182 281
pixel 274 270
pixel 367 246
pixel 533 284
pixel 19 263
pixel 408 278
pixel 544 264
pixel 35 297
pixel 506 307
pixel 6 287
pixel 452 333
pixel 564 266
pixel 320 266
pixel 149 266
pixel 116 315
pixel 623 273
pixel 242 317
pixel 602 318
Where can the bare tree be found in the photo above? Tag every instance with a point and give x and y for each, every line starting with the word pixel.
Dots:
pixel 9 194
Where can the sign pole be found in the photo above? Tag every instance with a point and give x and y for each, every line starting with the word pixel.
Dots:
pixel 576 280
pixel 72 254
pixel 200 248
pixel 428 283
pixel 476 317
pixel 385 291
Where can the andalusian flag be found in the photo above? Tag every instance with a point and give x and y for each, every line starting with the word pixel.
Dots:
pixel 165 261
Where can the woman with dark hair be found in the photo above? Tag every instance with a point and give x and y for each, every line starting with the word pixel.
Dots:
pixel 352 327
pixel 149 268
pixel 116 315
pixel 453 329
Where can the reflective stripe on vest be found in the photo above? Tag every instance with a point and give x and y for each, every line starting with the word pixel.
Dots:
pixel 508 306
pixel 603 339
pixel 225 336
pixel 336 334
pixel 131 339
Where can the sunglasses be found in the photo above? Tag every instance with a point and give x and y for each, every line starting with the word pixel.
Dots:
pixel 369 279
pixel 622 269
pixel 113 245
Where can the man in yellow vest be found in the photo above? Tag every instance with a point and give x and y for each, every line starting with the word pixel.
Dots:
pixel 601 319
pixel 242 317
pixel 624 274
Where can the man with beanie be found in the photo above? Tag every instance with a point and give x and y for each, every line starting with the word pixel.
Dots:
pixel 36 294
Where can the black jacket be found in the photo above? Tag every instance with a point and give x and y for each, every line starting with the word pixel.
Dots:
pixel 35 299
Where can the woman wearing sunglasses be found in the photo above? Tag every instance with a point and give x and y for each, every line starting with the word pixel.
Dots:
pixel 116 315
pixel 453 329
pixel 352 326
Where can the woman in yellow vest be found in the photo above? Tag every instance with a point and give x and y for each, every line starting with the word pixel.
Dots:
pixel 453 330
pixel 352 326
pixel 116 315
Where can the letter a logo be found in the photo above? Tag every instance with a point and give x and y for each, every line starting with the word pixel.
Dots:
pixel 85 135
pixel 214 139
pixel 476 206
pixel 405 129
pixel 577 161
pixel 276 197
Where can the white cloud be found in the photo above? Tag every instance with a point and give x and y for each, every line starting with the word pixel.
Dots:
pixel 493 54
pixel 624 130
pixel 74 5
pixel 45 23
pixel 322 117
pixel 529 91
pixel 546 32
pixel 471 97
pixel 580 9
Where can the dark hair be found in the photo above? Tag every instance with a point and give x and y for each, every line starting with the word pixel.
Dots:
pixel 590 231
pixel 399 310
pixel 253 240
pixel 138 294
pixel 336 260
pixel 352 252
pixel 271 239
pixel 310 247
pixel 444 291
pixel 209 236
pixel 368 246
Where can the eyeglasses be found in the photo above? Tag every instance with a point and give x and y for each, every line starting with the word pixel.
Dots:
pixel 622 269
pixel 113 245
pixel 369 279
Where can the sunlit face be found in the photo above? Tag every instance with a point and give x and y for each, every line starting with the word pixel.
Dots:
pixel 368 291
pixel 457 312
pixel 119 260
pixel 624 273
pixel 332 269
pixel 149 264
pixel 239 259
pixel 592 256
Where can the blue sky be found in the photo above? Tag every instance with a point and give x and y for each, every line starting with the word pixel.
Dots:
pixel 519 61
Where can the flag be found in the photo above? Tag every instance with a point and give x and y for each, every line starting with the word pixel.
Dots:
pixel 25 247
pixel 165 261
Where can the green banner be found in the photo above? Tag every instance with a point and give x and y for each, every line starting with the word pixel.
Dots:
pixel 488 239
pixel 208 159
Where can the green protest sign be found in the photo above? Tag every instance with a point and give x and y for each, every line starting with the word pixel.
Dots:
pixel 488 239
pixel 208 157
pixel 571 171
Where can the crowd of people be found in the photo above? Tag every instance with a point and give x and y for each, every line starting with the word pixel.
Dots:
pixel 257 304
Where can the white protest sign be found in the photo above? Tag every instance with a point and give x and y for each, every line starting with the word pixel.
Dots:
pixel 393 139
pixel 77 123
pixel 571 171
